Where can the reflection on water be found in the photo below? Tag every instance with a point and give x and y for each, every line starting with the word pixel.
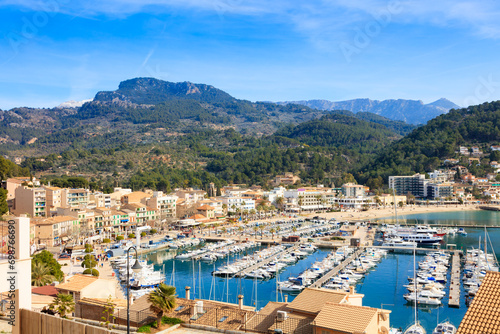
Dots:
pixel 382 287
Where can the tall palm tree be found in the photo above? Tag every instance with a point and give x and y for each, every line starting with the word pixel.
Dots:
pixel 162 300
pixel 40 274
pixel 63 304
pixel 272 230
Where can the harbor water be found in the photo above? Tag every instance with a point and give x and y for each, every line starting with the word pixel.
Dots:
pixel 382 287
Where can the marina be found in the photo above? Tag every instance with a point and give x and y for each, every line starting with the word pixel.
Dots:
pixel 385 286
pixel 319 283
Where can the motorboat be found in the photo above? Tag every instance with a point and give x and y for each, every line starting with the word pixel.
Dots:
pixel 445 328
pixel 412 297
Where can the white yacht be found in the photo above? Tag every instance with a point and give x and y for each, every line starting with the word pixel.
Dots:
pixel 445 328
pixel 415 329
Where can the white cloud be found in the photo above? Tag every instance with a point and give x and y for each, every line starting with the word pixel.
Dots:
pixel 313 17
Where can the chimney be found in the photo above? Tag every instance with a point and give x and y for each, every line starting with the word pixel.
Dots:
pixel 240 301
pixel 187 292
pixel 286 298
pixel 351 290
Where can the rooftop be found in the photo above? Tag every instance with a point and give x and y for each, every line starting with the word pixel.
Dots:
pixel 77 283
pixel 482 315
pixel 345 318
pixel 312 300
pixel 47 290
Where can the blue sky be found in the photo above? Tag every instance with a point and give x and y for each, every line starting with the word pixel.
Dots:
pixel 58 50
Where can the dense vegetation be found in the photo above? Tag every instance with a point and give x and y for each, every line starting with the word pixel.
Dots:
pixel 159 135
pixel 425 148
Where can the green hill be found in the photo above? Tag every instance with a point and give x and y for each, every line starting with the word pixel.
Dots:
pixel 426 147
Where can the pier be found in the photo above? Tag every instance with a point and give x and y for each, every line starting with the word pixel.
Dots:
pixel 319 283
pixel 266 261
pixel 455 281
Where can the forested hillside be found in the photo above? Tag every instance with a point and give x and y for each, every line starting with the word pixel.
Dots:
pixel 426 147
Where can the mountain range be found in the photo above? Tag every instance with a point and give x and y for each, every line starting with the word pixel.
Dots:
pixel 409 111
pixel 157 134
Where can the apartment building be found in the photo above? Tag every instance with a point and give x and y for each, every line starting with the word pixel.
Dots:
pixel 54 197
pixel 353 190
pixel 165 204
pixel 234 203
pixel 310 198
pixel 11 184
pixel 190 195
pixel 30 201
pixel 100 200
pixel 55 230
pixel 415 185
pixel 75 198
pixel 442 176
pixel 141 214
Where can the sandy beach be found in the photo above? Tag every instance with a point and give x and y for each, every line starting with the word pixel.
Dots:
pixel 389 211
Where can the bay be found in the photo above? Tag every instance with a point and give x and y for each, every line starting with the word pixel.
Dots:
pixel 382 287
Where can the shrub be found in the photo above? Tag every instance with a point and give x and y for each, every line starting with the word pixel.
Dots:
pixel 171 321
pixel 131 236
pixel 106 241
pixel 93 272
pixel 145 328
pixel 153 231
pixel 143 234
pixel 120 237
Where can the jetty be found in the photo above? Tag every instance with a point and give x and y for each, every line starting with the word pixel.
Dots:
pixel 266 261
pixel 325 278
pixel 455 280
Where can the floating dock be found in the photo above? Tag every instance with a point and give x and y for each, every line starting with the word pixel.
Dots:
pixel 319 283
pixel 266 261
pixel 455 280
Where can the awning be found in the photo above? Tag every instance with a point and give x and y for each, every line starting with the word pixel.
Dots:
pixel 65 239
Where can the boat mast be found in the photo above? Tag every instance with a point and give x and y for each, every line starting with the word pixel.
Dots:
pixel 194 282
pixel 199 279
pixel 415 283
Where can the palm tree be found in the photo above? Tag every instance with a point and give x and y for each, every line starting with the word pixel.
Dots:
pixel 40 274
pixel 272 230
pixel 261 230
pixel 63 303
pixel 279 202
pixel 240 229
pixel 162 300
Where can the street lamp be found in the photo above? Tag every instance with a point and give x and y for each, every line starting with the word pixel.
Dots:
pixel 136 268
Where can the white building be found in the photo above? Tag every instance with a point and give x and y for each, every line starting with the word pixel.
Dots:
pixel 275 194
pixel 234 203
pixel 309 199
pixel 167 204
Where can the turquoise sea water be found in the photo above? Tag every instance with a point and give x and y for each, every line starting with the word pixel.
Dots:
pixel 382 287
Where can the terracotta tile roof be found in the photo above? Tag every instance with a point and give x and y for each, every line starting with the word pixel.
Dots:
pixel 197 216
pixel 48 290
pixel 482 315
pixel 345 318
pixel 205 207
pixel 312 300
pixel 77 283
pixel 55 220
pixel 121 303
